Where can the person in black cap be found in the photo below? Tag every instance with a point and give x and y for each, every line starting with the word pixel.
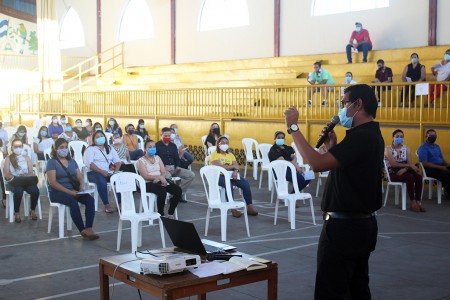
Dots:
pixel 281 151
pixel 359 40
pixel 351 195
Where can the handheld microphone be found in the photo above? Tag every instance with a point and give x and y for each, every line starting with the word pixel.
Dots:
pixel 217 256
pixel 334 122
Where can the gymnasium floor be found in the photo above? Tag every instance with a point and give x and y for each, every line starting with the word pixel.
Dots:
pixel 411 261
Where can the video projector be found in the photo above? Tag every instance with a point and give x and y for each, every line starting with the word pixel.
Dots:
pixel 169 264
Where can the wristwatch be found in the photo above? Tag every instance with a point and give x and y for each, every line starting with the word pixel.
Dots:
pixel 292 128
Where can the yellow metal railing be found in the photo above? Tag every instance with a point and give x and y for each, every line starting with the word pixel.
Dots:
pixel 262 103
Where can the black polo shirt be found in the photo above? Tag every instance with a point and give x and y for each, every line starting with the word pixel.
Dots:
pixel 168 154
pixel 356 185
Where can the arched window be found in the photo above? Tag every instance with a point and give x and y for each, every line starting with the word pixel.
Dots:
pixel 219 14
pixel 137 22
pixel 330 7
pixel 72 33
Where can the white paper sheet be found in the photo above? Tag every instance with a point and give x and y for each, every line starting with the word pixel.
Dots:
pixel 408 79
pixel 89 191
pixel 125 184
pixel 208 269
pixel 422 89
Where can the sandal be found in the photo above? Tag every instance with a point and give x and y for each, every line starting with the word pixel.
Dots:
pixel 4 203
pixel 33 215
pixel 17 218
pixel 88 234
pixel 109 209
pixel 236 213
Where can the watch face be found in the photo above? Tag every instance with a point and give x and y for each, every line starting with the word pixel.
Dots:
pixel 294 127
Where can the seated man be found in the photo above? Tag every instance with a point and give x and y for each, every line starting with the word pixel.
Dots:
pixel 168 153
pixel 320 76
pixel 442 72
pixel 132 142
pixel 186 157
pixel 281 151
pixel 382 75
pixel 359 40
pixel 430 155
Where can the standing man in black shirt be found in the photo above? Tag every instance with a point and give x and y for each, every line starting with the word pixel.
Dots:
pixel 168 152
pixel 351 197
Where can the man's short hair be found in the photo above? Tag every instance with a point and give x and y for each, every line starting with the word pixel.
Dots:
pixel 279 132
pixel 351 74
pixel 165 129
pixel 367 96
pixel 318 63
pixel 380 61
pixel 430 130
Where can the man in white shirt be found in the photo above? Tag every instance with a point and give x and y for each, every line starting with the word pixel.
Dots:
pixel 442 72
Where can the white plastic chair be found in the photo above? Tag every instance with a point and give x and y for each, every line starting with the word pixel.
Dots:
pixel 77 148
pixel 249 158
pixel 211 150
pixel 203 143
pixel 322 175
pixel 299 157
pixel 127 210
pixel 210 177
pixel 430 180
pixel 62 211
pixel 397 185
pixel 279 168
pixel 264 149
pixel 140 142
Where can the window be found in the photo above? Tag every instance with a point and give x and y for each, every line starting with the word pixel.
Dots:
pixel 137 22
pixel 329 7
pixel 72 33
pixel 219 14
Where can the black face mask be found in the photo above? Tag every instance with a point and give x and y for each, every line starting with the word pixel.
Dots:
pixel 431 139
pixel 216 131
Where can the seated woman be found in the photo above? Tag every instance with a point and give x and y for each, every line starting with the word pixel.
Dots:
pixel 132 142
pixel 224 158
pixel 413 72
pixel 42 142
pixel 113 127
pixel 214 134
pixel 401 169
pixel 124 155
pixel 54 128
pixel 141 131
pixel 97 127
pixel 88 126
pixel 69 135
pixel 64 182
pixel 281 151
pixel 101 160
pixel 21 134
pixel 152 169
pixel 81 131
pixel 17 164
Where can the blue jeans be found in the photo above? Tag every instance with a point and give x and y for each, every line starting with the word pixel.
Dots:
pixel 365 48
pixel 242 184
pixel 102 187
pixel 75 213
pixel 136 154
pixel 186 160
pixel 302 183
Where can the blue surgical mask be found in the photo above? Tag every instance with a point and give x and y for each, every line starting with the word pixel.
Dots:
pixel 447 57
pixel 98 129
pixel 68 128
pixel 358 29
pixel 111 123
pixel 63 152
pixel 21 134
pixel 348 79
pixel 345 121
pixel 100 140
pixel 414 60
pixel 142 126
pixel 43 133
pixel 176 130
pixel 279 142
pixel 151 151
pixel 398 141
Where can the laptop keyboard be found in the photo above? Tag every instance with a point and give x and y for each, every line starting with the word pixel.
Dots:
pixel 212 249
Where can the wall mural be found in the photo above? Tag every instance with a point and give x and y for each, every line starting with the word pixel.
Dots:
pixel 17 36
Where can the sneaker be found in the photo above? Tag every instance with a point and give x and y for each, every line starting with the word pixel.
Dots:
pixel 379 103
pixel 310 102
pixel 17 218
pixel 33 215
pixel 324 103
pixel 364 60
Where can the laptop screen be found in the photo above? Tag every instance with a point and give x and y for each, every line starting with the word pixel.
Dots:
pixel 184 235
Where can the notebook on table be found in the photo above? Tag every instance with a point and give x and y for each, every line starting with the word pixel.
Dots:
pixel 185 237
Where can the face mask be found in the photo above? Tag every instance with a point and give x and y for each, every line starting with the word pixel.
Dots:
pixel 175 129
pixel 151 151
pixel 63 121
pixel 431 139
pixel 447 57
pixel 21 134
pixel 62 152
pixel 348 79
pixel 111 123
pixel 216 131
pixel 54 121
pixel 142 126
pixel 118 141
pixel 223 147
pixel 414 60
pixel 358 29
pixel 98 129
pixel 43 133
pixel 166 140
pixel 100 140
pixel 345 121
pixel 398 141
pixel 18 151
pixel 172 135
pixel 279 142
pixel 130 132
pixel 79 125
pixel 87 124
pixel 68 128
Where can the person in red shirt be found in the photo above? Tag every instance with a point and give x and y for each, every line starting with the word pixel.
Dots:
pixel 359 40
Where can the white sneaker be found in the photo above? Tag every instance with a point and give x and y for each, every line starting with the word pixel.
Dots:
pixel 309 102
pixel 324 102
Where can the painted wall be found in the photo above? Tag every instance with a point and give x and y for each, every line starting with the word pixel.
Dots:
pixel 17 36
pixel 443 23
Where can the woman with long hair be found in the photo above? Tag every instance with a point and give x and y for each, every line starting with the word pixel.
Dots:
pixel 42 142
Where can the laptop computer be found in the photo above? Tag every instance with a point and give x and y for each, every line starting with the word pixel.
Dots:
pixel 184 236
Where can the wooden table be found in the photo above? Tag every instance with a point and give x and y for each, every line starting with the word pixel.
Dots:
pixel 173 286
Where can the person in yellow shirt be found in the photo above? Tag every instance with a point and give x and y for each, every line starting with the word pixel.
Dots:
pixel 222 157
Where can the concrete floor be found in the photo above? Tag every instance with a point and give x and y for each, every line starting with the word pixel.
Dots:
pixel 411 261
